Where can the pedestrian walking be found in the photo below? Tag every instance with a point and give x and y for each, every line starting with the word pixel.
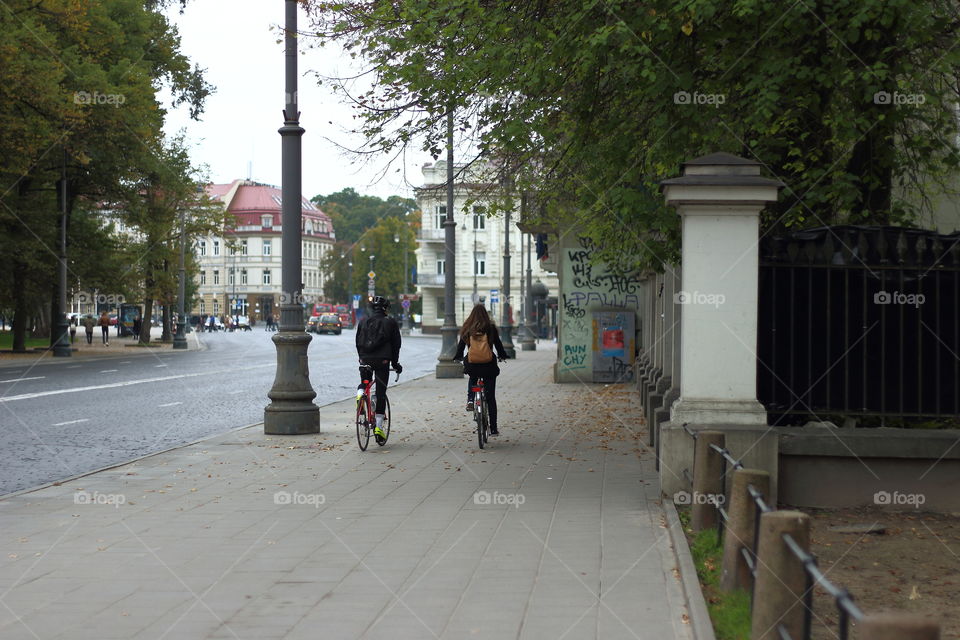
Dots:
pixel 73 329
pixel 105 328
pixel 211 324
pixel 137 324
pixel 88 324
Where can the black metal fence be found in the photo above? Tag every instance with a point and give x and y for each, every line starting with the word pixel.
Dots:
pixel 859 321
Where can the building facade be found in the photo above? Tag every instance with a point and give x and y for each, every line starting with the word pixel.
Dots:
pixel 239 270
pixel 479 249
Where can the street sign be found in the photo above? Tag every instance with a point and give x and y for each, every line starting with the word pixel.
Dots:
pixel 371 275
pixel 494 292
pixel 405 304
pixel 356 302
pixel 371 282
pixel 494 299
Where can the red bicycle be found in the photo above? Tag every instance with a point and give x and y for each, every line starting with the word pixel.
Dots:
pixel 366 402
pixel 481 413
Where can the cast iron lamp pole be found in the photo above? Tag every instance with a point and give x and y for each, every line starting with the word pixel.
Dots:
pixel 446 367
pixel 527 341
pixel 180 337
pixel 61 346
pixel 291 410
pixel 505 324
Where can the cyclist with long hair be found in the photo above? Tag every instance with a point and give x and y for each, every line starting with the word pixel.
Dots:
pixel 480 338
pixel 378 345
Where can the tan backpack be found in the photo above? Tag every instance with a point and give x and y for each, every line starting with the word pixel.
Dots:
pixel 478 349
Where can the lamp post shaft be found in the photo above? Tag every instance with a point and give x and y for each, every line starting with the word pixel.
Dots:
pixel 61 345
pixel 180 338
pixel 291 410
pixel 446 367
pixel 507 324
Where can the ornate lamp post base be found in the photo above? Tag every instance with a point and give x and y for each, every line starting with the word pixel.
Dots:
pixel 61 348
pixel 507 339
pixel 446 366
pixel 291 410
pixel 180 337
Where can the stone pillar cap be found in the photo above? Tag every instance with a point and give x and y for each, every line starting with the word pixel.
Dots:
pixel 702 175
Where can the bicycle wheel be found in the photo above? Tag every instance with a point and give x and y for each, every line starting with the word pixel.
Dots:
pixel 486 419
pixel 478 408
pixel 386 423
pixel 363 423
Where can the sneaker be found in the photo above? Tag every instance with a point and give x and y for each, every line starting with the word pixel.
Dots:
pixel 377 431
pixel 494 432
pixel 469 406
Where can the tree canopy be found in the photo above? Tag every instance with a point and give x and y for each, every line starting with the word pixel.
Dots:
pixel 588 105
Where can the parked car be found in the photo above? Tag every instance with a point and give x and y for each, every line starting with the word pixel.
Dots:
pixel 241 322
pixel 329 323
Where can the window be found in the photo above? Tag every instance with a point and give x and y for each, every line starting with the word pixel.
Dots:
pixel 480 263
pixel 266 276
pixel 441 266
pixel 267 247
pixel 203 277
pixel 216 247
pixel 203 247
pixel 440 216
pixel 216 277
pixel 232 276
pixel 243 276
pixel 203 307
pixel 243 247
pixel 216 307
pixel 266 221
pixel 479 218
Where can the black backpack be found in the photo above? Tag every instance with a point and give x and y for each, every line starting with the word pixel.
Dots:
pixel 373 334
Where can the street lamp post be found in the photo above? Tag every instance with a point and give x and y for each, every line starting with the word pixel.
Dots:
pixel 61 345
pixel 446 366
pixel 527 341
pixel 291 410
pixel 506 324
pixel 180 337
pixel 405 324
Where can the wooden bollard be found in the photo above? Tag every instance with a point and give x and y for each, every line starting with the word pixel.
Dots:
pixel 740 529
pixel 781 582
pixel 707 480
pixel 894 625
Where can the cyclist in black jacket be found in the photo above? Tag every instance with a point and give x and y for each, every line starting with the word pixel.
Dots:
pixel 481 339
pixel 378 345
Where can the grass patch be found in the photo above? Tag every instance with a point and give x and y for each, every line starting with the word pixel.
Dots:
pixel 729 612
pixel 6 341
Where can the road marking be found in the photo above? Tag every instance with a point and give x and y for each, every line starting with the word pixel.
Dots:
pixel 169 404
pixel 74 366
pixel 110 370
pixel 125 362
pixel 160 365
pixel 127 383
pixel 22 379
pixel 233 393
pixel 60 424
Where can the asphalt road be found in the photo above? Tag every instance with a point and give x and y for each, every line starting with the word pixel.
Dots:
pixel 60 418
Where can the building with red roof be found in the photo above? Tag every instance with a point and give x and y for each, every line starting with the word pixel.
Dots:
pixel 239 271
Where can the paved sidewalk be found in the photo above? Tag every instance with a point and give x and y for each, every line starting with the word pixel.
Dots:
pixel 554 531
pixel 125 346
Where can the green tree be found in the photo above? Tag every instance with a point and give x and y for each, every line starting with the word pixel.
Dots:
pixel 589 105
pixel 352 214
pixel 79 81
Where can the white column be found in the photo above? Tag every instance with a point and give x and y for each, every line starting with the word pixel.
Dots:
pixel 719 198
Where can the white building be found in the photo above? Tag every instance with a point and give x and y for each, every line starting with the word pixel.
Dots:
pixel 479 249
pixel 239 271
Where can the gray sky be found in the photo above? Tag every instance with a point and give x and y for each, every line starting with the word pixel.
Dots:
pixel 234 41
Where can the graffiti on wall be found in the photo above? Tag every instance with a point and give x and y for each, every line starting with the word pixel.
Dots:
pixel 586 286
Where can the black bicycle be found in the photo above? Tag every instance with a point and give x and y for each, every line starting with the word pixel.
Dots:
pixel 481 412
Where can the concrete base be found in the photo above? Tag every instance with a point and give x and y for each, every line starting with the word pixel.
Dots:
pixel 291 410
pixel 449 369
pixel 755 447
pixel 704 411
pixel 528 346
pixel 291 420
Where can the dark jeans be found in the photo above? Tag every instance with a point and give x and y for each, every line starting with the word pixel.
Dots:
pixel 381 371
pixel 489 372
pixel 104 334
pixel 90 336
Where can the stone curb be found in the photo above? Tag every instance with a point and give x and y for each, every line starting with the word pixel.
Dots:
pixel 699 616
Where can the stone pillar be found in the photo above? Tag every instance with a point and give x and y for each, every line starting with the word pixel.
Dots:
pixel 781 580
pixel 898 625
pixel 719 198
pixel 740 530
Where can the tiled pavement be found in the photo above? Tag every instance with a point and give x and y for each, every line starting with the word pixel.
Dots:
pixel 249 536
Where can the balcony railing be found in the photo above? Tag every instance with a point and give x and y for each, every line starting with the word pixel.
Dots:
pixel 430 279
pixel 432 234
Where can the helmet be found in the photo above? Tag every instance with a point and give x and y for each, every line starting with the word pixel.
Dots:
pixel 379 303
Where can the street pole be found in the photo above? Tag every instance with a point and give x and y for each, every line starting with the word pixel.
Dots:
pixel 476 294
pixel 291 410
pixel 446 367
pixel 527 341
pixel 180 337
pixel 506 324
pixel 61 346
